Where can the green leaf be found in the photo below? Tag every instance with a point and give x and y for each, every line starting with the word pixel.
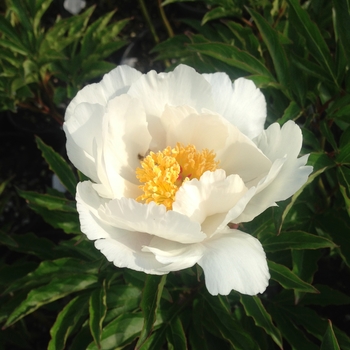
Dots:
pixel 305 265
pixel 59 166
pixel 292 112
pixel 219 12
pixel 344 155
pixel 151 295
pixel 327 296
pixel 295 240
pixel 120 332
pixel 280 220
pixel 327 133
pixel 48 201
pixel 343 175
pixel 317 46
pixel 254 308
pixel 56 289
pixel 290 331
pixel 234 57
pixel 65 267
pixel 336 224
pixel 342 20
pixel 287 279
pixel 66 322
pixel 176 335
pixel 276 50
pixel 329 341
pixel 120 300
pixel 68 222
pixel 97 311
pixel 217 318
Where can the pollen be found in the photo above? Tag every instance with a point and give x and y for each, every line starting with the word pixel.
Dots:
pixel 163 173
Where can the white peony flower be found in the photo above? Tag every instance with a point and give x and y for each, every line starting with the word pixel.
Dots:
pixel 173 158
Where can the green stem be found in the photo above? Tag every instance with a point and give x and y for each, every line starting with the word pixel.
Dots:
pixel 148 20
pixel 165 20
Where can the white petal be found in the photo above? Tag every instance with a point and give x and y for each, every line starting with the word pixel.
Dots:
pixel 153 219
pixel 241 103
pixel 122 247
pixel 174 255
pixel 204 130
pixel 242 157
pixel 125 138
pixel 183 86
pixel 213 193
pixel 234 261
pixel 276 142
pixel 82 129
pixel 125 251
pixel 114 83
pixel 88 203
pixel 287 173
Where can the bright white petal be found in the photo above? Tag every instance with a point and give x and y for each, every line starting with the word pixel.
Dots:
pixel 88 203
pixel 213 193
pixel 287 173
pixel 125 251
pixel 82 130
pixel 241 103
pixel 183 86
pixel 125 138
pixel 276 142
pixel 234 261
pixel 242 157
pixel 153 219
pixel 114 83
pixel 205 130
pixel 122 247
pixel 174 255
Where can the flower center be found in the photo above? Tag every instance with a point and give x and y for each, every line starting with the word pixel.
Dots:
pixel 162 173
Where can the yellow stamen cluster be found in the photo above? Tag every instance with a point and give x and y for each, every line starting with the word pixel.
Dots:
pixel 162 173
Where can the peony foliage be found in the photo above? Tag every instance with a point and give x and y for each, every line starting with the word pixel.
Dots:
pixel 206 206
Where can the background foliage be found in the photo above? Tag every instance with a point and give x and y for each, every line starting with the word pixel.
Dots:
pixel 59 292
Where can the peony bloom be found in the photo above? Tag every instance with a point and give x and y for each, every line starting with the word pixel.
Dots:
pixel 173 158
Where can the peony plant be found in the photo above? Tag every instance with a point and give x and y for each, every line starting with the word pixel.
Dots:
pixel 176 162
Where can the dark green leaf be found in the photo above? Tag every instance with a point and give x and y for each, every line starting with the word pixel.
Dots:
pixel 316 44
pixel 276 50
pixel 327 296
pixel 68 222
pixel 289 330
pixel 151 295
pixel 176 336
pixel 254 308
pixel 120 332
pixel 234 57
pixel 343 175
pixel 329 341
pixel 327 133
pixel 292 112
pixel 280 220
pixel 56 289
pixel 66 321
pixel 97 311
pixel 59 166
pixel 342 20
pixel 218 319
pixel 48 201
pixel 296 240
pixel 289 280
pixel 344 155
